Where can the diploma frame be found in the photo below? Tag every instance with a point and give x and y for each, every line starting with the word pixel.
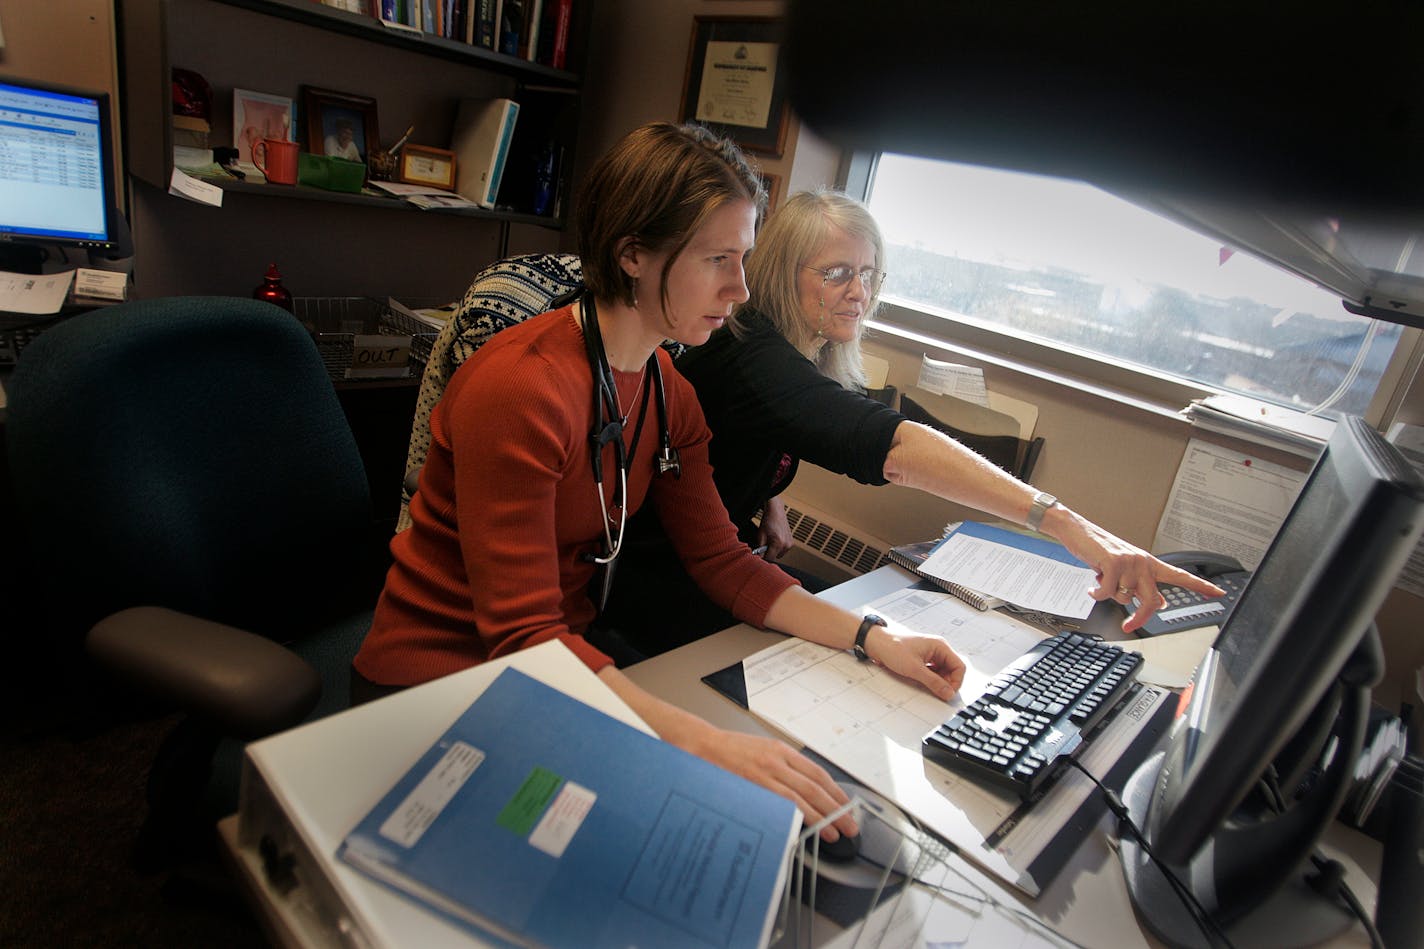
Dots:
pixel 768 139
pixel 422 165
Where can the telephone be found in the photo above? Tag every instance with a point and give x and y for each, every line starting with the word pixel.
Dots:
pixel 1188 610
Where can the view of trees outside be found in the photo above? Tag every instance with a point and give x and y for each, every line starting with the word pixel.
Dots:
pixel 1072 266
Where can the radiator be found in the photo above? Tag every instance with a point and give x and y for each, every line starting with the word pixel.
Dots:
pixel 835 541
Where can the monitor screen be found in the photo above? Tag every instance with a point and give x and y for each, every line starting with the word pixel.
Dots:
pixel 1280 654
pixel 56 166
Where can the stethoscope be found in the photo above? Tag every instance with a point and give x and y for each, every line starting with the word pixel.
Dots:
pixel 608 430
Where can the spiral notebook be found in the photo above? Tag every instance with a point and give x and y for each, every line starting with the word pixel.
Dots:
pixel 911 556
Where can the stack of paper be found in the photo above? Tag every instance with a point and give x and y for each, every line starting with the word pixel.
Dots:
pixel 1027 570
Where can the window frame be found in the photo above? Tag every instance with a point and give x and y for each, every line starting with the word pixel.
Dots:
pixel 1094 373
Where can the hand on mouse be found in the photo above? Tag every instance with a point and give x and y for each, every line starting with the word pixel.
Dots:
pixel 778 767
pixel 768 762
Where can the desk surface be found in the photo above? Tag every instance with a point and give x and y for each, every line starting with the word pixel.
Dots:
pixel 1087 902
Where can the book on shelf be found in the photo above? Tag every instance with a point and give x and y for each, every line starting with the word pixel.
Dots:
pixel 529 36
pixel 510 26
pixel 462 24
pixel 538 820
pixel 191 131
pixel 554 34
pixel 482 23
pixel 480 141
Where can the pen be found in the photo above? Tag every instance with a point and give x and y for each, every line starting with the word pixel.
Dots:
pixel 401 141
pixel 759 551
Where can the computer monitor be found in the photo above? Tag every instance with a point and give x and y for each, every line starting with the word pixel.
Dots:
pixel 56 171
pixel 1259 762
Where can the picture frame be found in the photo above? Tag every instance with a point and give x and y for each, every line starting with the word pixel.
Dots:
pixel 423 165
pixel 340 124
pixel 735 84
pixel 772 184
pixel 257 116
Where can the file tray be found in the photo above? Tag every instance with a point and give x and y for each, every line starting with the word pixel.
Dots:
pixel 335 322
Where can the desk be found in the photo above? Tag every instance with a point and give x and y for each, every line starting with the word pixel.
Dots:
pixel 1087 902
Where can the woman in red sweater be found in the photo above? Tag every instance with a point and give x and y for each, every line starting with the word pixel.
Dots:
pixel 519 504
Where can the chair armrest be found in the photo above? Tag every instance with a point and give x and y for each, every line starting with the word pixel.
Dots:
pixel 247 685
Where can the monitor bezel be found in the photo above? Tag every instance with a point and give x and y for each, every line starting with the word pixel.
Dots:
pixel 108 153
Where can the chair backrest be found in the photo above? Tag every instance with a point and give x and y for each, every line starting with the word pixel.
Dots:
pixel 503 294
pixel 189 452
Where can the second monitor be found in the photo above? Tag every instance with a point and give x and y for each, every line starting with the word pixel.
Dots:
pixel 1253 772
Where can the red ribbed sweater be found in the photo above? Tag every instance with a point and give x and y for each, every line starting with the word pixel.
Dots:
pixel 506 505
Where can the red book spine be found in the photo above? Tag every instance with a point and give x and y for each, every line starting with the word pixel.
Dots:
pixel 559 51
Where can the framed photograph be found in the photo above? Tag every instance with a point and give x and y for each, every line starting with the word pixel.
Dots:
pixel 734 84
pixel 772 184
pixel 422 165
pixel 339 124
pixel 257 116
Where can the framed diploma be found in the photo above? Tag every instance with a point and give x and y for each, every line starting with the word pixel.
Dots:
pixel 734 83
pixel 420 165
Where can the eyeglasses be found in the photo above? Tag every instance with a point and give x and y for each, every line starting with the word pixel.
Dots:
pixel 870 278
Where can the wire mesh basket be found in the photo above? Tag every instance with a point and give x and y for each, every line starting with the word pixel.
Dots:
pixel 335 322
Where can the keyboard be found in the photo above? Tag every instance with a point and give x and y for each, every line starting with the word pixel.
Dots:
pixel 14 341
pixel 1035 714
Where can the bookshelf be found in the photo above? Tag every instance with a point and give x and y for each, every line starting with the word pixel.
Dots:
pixel 279 46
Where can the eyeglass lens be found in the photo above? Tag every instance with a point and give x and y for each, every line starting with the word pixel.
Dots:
pixel 840 276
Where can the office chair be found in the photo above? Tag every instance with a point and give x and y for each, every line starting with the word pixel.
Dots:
pixel 185 475
pixel 504 293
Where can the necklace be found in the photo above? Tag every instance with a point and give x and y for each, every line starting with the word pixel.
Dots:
pixel 617 402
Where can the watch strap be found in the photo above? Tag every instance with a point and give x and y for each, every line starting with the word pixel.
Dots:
pixel 870 620
pixel 1042 501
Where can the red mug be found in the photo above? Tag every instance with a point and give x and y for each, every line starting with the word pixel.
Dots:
pixel 277 160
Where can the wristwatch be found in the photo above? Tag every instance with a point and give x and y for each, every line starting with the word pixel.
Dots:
pixel 1042 501
pixel 865 625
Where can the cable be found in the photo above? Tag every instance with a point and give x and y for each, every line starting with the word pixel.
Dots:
pixel 1203 919
pixel 1329 882
pixel 980 897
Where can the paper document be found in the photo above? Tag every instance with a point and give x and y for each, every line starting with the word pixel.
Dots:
pixel 1024 570
pixel 869 722
pixel 1170 659
pixel 424 196
pixel 1261 422
pixel 186 186
pixel 1226 502
pixel 877 371
pixel 37 294
pixel 101 284
pixel 431 316
pixel 947 378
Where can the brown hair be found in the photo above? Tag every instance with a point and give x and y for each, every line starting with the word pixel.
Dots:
pixel 656 186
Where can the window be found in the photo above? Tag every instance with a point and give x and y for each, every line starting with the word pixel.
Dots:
pixel 1062 265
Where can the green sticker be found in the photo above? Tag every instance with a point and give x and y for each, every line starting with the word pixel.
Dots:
pixel 528 803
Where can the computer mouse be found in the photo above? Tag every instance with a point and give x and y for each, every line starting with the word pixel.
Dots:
pixel 844 850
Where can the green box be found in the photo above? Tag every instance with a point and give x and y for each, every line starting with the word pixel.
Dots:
pixel 331 174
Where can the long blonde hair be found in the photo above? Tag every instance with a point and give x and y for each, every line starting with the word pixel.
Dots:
pixel 791 235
